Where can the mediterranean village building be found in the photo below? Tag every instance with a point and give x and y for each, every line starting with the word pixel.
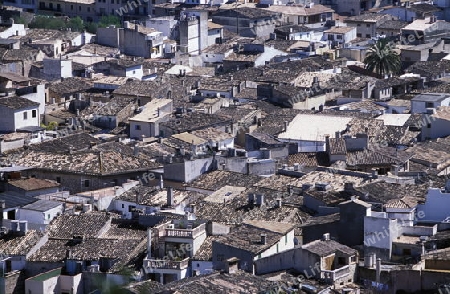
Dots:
pixel 225 147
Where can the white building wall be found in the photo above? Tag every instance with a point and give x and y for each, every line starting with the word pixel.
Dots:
pixel 135 72
pixel 38 97
pixel 380 232
pixel 435 209
pixel 421 106
pixel 267 55
pixel 202 267
pixel 71 284
pixel 285 243
pixel 213 57
pixel 14 30
pixel 20 122
pixel 124 206
pixel 41 287
pixel 213 35
pixel 39 217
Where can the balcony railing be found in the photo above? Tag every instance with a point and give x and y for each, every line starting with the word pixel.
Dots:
pixel 332 276
pixel 185 233
pixel 166 264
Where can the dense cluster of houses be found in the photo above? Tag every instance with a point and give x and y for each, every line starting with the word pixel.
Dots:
pixel 225 147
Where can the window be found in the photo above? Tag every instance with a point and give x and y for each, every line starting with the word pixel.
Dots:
pixel 33 113
pixel 277 248
pixel 353 258
pixel 429 126
pixel 71 7
pixel 123 205
pixel 58 179
pixel 88 9
pixel 134 71
pixel 48 216
pixel 86 183
pixel 367 35
pixel 429 105
pixel 285 240
pixel 339 37
pixel 359 25
pixel 358 35
pixel 25 115
pixel 79 8
pixel 137 127
pixel 368 25
pixel 131 208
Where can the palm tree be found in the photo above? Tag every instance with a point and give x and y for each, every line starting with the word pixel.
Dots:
pixel 382 59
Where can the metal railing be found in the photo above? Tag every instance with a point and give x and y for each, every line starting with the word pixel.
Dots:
pixel 166 264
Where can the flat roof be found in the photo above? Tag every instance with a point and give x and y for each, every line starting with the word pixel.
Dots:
pixel 42 205
pixel 150 111
pixel 309 127
pixel 430 97
pixel 390 119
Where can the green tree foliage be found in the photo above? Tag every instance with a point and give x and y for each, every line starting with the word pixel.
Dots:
pixel 382 59
pixel 76 24
pixel 44 22
pixel 51 126
pixel 108 20
pixel 91 27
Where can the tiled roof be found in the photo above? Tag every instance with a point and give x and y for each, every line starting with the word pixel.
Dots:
pixel 397 204
pixel 88 162
pixel 368 157
pixel 219 178
pixel 337 146
pixel 89 225
pixel 424 8
pixel 24 53
pixel 212 134
pixel 76 142
pixel 324 248
pixel 392 25
pixel 19 245
pixel 367 17
pixel 204 253
pixel 339 30
pixel 383 192
pixel 153 196
pixel 308 159
pixel 300 10
pixel 276 182
pixel 71 86
pixel 245 12
pixel 45 34
pixel 32 184
pixel 195 121
pixel 16 102
pixel 248 237
pixel 240 282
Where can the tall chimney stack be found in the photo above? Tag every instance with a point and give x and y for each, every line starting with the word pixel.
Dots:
pixel 378 270
pixel 169 196
pixel 149 243
pixel 263 239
